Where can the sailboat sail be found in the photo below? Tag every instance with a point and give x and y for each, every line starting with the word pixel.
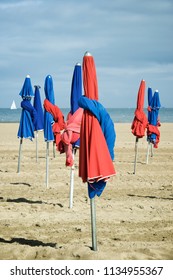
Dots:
pixel 13 105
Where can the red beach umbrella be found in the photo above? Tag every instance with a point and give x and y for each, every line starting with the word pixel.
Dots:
pixel 95 163
pixel 140 121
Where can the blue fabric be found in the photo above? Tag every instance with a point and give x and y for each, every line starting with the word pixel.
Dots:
pixel 48 118
pixel 104 120
pixel 76 93
pixel 27 121
pixel 38 107
pixel 155 106
pixel 150 96
pixel 108 130
pixel 26 90
pixel 76 88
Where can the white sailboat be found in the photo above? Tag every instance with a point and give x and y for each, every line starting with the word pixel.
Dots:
pixel 13 105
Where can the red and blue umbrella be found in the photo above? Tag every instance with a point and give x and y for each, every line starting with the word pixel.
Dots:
pixel 70 138
pixel 140 121
pixel 48 118
pixel 96 156
pixel 153 133
pixel 48 121
pixel 95 161
pixel 53 120
pixel 76 93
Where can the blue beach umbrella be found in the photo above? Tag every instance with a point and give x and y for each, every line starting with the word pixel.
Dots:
pixel 28 116
pixel 76 93
pixel 48 121
pixel 150 96
pixel 48 118
pixel 153 133
pixel 27 91
pixel 38 107
pixel 154 113
pixel 39 125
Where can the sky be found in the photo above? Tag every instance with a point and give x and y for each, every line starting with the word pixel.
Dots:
pixel 130 40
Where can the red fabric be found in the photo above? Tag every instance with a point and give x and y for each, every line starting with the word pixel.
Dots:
pixel 154 129
pixel 70 135
pixel 140 121
pixel 58 117
pixel 95 162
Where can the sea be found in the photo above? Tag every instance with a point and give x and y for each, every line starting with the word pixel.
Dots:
pixel 118 115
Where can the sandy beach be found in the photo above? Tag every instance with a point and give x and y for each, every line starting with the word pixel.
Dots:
pixel 134 214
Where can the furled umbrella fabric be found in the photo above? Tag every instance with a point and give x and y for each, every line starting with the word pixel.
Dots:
pixel 38 107
pixel 53 120
pixel 28 120
pixel 70 138
pixel 95 162
pixel 29 115
pixel 27 91
pixel 76 93
pixel 50 112
pixel 58 123
pixel 150 96
pixel 140 121
pixel 153 133
pixel 108 130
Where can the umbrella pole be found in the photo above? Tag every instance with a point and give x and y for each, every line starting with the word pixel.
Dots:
pixel 152 150
pixel 54 149
pixel 47 165
pixel 93 224
pixel 72 182
pixel 19 159
pixel 136 153
pixel 148 151
pixel 37 146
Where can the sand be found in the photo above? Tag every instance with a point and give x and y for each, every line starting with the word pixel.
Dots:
pixel 134 215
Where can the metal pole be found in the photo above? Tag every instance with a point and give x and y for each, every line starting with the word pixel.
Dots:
pixel 54 149
pixel 19 159
pixel 93 224
pixel 148 151
pixel 72 183
pixel 47 165
pixel 136 154
pixel 37 146
pixel 152 150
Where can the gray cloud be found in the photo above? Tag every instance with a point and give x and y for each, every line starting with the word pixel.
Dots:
pixel 130 41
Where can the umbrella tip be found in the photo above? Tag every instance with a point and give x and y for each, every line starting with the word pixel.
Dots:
pixel 87 54
pixel 27 76
pixel 156 90
pixel 78 64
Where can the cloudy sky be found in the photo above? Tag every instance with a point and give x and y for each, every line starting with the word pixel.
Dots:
pixel 130 40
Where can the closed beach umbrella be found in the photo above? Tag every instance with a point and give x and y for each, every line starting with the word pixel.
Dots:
pixel 53 120
pixel 150 96
pixel 70 138
pixel 40 117
pixel 28 117
pixel 48 121
pixel 39 108
pixel 153 133
pixel 95 162
pixel 140 121
pixel 48 118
